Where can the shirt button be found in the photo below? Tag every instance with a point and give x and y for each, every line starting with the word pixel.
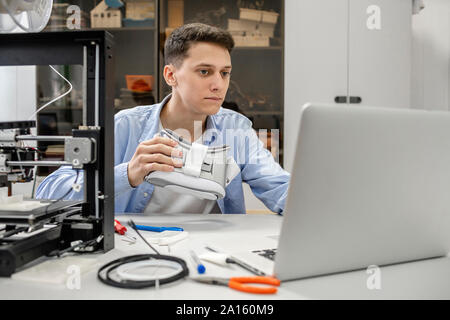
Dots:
pixel 145 194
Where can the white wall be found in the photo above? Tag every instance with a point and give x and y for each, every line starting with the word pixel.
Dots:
pixel 430 72
pixel 331 51
pixel 8 95
pixel 430 57
pixel 17 92
pixel 18 102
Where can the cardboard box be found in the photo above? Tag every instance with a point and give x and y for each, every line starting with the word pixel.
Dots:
pixel 250 14
pixel 175 13
pixel 270 17
pixel 104 17
pixel 258 15
pixel 139 83
pixel 237 33
pixel 266 29
pixel 140 9
pixel 251 41
pixel 250 28
pixel 168 31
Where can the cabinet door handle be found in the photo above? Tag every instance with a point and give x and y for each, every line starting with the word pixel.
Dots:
pixel 343 99
pixel 340 99
pixel 355 99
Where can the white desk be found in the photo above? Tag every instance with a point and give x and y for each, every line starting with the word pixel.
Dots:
pixel 427 279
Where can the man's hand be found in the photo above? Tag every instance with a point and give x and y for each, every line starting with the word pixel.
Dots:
pixel 157 154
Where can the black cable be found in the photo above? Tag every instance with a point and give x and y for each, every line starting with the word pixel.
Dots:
pixel 12 232
pixel 104 273
pixel 133 225
pixel 75 247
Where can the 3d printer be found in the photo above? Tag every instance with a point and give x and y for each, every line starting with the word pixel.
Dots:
pixel 35 228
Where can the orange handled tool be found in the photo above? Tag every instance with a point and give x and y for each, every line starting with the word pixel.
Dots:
pixel 240 283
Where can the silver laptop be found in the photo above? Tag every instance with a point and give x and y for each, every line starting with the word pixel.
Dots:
pixel 370 186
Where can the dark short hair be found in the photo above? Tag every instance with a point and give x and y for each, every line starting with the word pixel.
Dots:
pixel 181 39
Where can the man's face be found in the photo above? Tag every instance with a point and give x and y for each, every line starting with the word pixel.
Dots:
pixel 203 78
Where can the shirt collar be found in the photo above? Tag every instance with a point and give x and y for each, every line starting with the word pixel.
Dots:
pixel 210 135
pixel 152 127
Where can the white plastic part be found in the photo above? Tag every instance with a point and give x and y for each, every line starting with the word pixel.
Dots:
pixel 125 271
pixel 173 239
pixel 194 159
pixel 5 199
pixel 199 187
pixel 55 99
pixel 195 193
pixel 166 238
pixel 232 170
pixel 16 203
pixel 215 257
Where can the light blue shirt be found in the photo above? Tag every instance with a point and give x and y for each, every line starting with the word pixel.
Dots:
pixel 267 180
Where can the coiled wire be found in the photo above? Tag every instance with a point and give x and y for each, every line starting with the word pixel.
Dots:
pixel 105 272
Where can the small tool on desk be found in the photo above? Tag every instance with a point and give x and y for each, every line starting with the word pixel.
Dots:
pixel 168 238
pixel 121 229
pixel 123 268
pixel 200 267
pixel 239 283
pixel 223 259
pixel 158 229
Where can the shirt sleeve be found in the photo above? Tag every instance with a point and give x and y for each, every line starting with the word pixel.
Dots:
pixel 122 136
pixel 58 185
pixel 267 180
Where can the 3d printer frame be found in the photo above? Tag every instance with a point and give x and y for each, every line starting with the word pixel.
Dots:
pixel 93 218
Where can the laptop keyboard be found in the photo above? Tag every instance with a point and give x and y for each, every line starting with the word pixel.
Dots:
pixel 266 253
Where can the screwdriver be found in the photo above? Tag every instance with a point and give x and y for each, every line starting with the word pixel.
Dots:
pixel 121 229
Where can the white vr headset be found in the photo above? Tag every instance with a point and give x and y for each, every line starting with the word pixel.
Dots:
pixel 205 174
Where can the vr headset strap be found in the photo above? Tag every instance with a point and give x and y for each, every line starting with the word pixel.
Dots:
pixel 194 159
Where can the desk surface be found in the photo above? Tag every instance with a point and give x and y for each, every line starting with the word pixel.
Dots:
pixel 426 279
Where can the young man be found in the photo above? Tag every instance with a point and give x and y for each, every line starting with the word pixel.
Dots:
pixel 198 68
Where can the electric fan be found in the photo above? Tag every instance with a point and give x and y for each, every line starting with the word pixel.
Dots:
pixel 24 15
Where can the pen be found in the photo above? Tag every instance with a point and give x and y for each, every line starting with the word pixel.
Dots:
pixel 158 229
pixel 230 259
pixel 200 267
pixel 246 266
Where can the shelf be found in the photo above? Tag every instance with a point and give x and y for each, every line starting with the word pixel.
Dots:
pixel 63 29
pixel 270 48
pixel 126 29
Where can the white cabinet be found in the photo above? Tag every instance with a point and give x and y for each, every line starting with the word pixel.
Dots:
pixel 17 92
pixel 345 51
pixel 380 59
pixel 430 89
